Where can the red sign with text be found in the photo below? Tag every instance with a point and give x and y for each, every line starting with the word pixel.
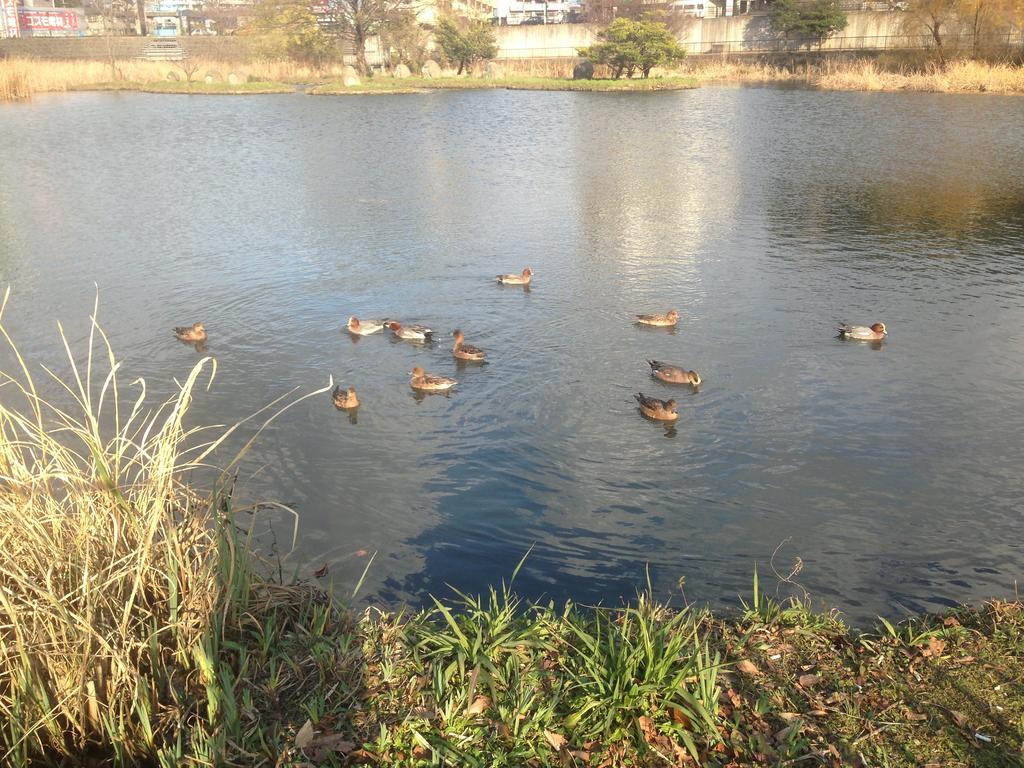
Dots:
pixel 48 21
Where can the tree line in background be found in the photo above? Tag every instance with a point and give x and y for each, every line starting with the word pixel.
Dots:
pixel 628 46
pixel 985 25
pixel 290 29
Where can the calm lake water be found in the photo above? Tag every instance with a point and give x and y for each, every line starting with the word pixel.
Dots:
pixel 763 215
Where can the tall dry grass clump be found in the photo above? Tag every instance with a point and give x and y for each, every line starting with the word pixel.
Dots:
pixel 14 83
pixel 713 69
pixel 26 76
pixel 118 583
pixel 955 77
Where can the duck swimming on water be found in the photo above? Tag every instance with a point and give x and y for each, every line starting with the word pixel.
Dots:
pixel 411 332
pixel 653 408
pixel 192 333
pixel 465 351
pixel 344 399
pixel 874 332
pixel 364 327
pixel 521 279
pixel 669 319
pixel 427 383
pixel 672 374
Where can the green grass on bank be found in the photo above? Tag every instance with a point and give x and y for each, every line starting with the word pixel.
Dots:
pixel 419 84
pixel 137 627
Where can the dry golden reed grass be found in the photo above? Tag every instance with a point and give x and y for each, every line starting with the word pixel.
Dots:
pixel 20 78
pixel 956 77
pixel 559 68
pixel 725 70
pixel 117 582
pixel 14 84
pixel 108 576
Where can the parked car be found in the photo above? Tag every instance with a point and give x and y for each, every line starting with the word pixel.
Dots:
pixel 533 20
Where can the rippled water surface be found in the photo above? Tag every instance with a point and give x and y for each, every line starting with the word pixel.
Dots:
pixel 764 216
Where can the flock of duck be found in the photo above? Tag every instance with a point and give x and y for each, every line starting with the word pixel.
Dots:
pixel 421 381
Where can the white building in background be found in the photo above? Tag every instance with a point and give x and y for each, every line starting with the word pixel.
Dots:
pixel 514 13
pixel 430 11
pixel 174 6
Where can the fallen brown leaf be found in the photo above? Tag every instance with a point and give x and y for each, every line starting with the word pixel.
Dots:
pixel 951 621
pixel 305 735
pixel 959 718
pixel 808 681
pixel 556 740
pixel 747 667
pixel 321 747
pixel 935 647
pixel 363 757
pixel 679 717
pixel 683 758
pixel 480 705
pixel 788 717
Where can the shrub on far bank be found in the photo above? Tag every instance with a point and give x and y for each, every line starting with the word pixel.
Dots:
pixel 634 46
pixel 466 46
pixel 811 23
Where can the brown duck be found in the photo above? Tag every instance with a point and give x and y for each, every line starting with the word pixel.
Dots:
pixel 673 375
pixel 653 408
pixel 193 333
pixel 670 318
pixel 344 399
pixel 426 383
pixel 520 279
pixel 465 351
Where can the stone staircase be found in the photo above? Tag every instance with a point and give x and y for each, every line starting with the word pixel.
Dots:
pixel 163 49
